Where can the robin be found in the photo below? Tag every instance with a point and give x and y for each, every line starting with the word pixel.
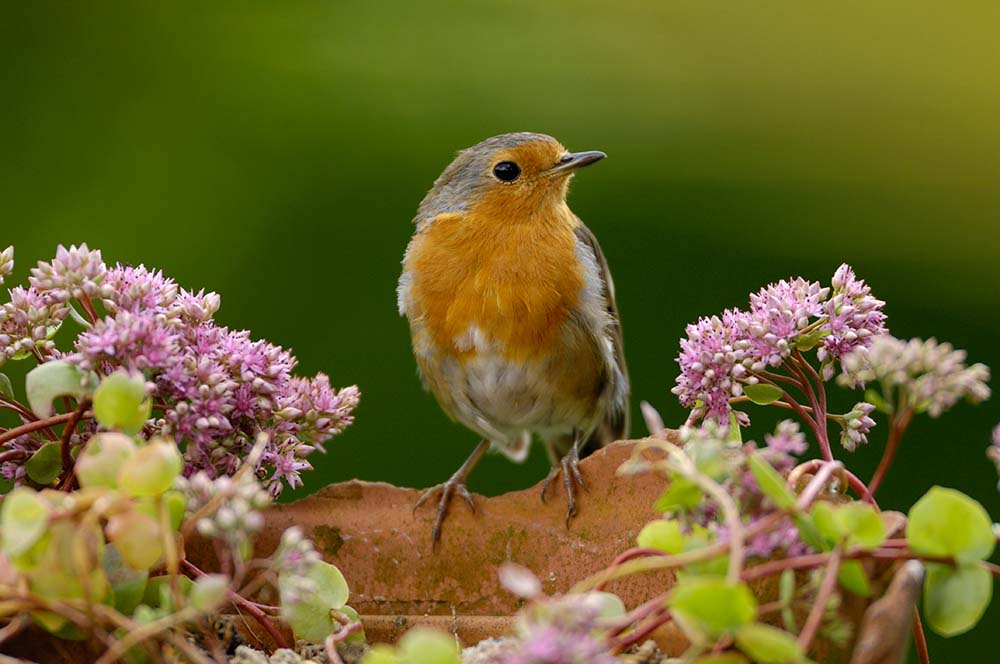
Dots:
pixel 512 310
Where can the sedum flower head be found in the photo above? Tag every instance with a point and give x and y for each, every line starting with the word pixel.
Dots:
pixel 928 376
pixel 6 262
pixel 27 323
pixel 857 424
pixel 854 319
pixel 714 362
pixel 75 273
pixel 561 630
pixel 136 289
pixel 779 313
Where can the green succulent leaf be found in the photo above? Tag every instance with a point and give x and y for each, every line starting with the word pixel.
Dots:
pixel 662 534
pixel 101 460
pixel 853 578
pixel 946 522
pixel 121 403
pixel 380 653
pixel 771 483
pixel 6 389
pixel 358 636
pixel 806 342
pixel 956 598
pixel 23 519
pixel 128 585
pixel 49 380
pixel 735 434
pixel 159 595
pixel 768 645
pixel 723 658
pixel 152 469
pixel 44 465
pixel 856 524
pixel 427 646
pixel 712 604
pixel 682 494
pixel 874 397
pixel 309 615
pixel 763 394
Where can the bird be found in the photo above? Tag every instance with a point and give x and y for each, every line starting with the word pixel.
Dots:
pixel 512 313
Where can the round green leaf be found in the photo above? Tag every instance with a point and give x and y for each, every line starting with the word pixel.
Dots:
pixel 862 525
pixel 127 584
pixel 662 534
pixel 771 483
pixel 956 598
pixel 427 646
pixel 44 465
pixel 713 604
pixel 358 636
pixel 152 470
pixel 309 616
pixel 763 394
pixel 137 537
pixel 946 522
pixel 49 380
pixel 682 494
pixel 101 460
pixel 380 653
pixel 852 577
pixel 23 518
pixel 768 645
pixel 121 402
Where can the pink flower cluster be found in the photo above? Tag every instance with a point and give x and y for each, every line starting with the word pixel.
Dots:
pixel 213 389
pixel 721 355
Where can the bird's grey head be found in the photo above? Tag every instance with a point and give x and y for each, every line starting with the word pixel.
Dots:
pixel 516 164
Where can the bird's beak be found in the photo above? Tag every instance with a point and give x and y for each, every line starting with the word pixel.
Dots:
pixel 574 160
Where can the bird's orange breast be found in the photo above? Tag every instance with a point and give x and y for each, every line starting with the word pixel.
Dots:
pixel 513 279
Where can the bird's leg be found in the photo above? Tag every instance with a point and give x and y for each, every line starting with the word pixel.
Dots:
pixel 454 485
pixel 569 466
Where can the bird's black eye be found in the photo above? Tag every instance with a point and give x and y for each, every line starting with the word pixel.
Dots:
pixel 506 171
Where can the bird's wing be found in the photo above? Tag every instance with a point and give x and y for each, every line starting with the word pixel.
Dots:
pixel 614 425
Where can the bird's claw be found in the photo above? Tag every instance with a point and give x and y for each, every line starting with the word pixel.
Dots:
pixel 448 490
pixel 569 467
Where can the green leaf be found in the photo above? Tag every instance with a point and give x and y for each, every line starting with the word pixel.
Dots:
pixel 735 434
pixel 121 402
pixel 358 636
pixel 102 459
pixel 852 577
pixel 682 494
pixel 862 525
pixel 380 653
pixel 662 534
pixel 309 615
pixel 712 604
pixel 857 524
pixel 956 598
pixel 946 522
pixel 57 378
pixel 786 595
pixel 44 465
pixel 137 537
pixel 809 532
pixel 771 483
pixel 427 646
pixel 152 470
pixel 6 389
pixel 806 342
pixel 128 585
pixel 23 518
pixel 159 595
pixel 768 645
pixel 763 394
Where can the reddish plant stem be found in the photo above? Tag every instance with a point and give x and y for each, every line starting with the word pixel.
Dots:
pixel 772 567
pixel 897 427
pixel 778 378
pixel 242 603
pixel 18 408
pixel 820 389
pixel 808 419
pixel 658 619
pixel 818 403
pixel 13 455
pixel 11 434
pixel 826 588
pixel 68 431
pixel 923 654
pixel 994 569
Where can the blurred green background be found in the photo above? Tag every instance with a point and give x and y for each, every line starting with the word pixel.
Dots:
pixel 276 151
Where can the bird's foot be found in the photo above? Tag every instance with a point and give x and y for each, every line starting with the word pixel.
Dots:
pixel 448 490
pixel 569 467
